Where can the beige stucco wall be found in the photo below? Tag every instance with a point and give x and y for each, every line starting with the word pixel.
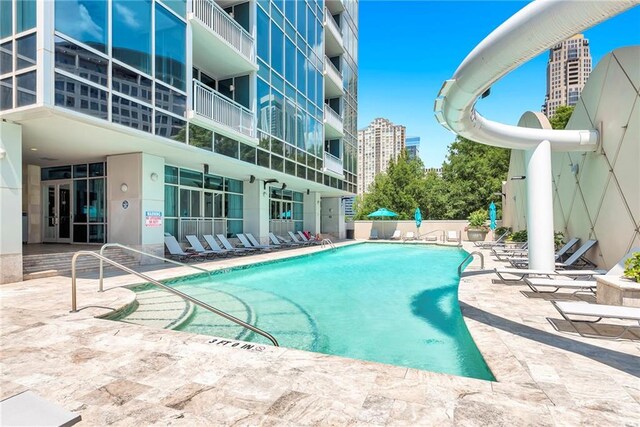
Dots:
pixel 362 229
pixel 596 194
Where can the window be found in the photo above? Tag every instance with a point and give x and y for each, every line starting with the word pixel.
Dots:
pixel 263 35
pixel 26 84
pixel 26 47
pixel 131 114
pixel 171 127
pixel 26 15
pixel 131 83
pixel 6 15
pixel 83 20
pixel 129 18
pixel 81 62
pixel 70 93
pixel 170 48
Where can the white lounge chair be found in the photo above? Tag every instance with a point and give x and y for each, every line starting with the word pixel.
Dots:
pixel 599 312
pixel 197 246
pixel 294 238
pixel 246 244
pixel 279 240
pixel 397 235
pixel 578 258
pixel 214 246
pixel 257 244
pixel 175 251
pixel 228 246
pixel 429 237
pixel 409 235
pixel 521 262
pixel 499 241
pixel 309 241
pixel 374 234
pixel 537 284
pixel 521 273
pixel 452 236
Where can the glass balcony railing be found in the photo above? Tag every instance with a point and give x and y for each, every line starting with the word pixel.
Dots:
pixel 219 21
pixel 333 164
pixel 216 107
pixel 332 118
pixel 332 71
pixel 330 22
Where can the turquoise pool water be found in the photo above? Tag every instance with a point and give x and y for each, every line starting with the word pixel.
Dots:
pixel 387 303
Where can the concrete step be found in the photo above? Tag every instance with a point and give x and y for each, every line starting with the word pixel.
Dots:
pixel 159 309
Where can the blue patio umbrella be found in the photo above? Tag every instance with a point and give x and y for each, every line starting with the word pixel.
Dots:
pixel 382 212
pixel 418 218
pixel 492 216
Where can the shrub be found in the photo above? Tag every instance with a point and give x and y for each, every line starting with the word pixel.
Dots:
pixel 518 236
pixel 558 239
pixel 632 267
pixel 478 219
pixel 501 230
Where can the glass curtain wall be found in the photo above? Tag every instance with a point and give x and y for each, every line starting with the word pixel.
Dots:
pixel 198 203
pixel 350 84
pixel 87 78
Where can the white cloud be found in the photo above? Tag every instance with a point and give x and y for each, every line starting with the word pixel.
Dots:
pixel 127 16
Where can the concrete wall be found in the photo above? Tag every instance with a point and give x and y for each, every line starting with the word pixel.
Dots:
pixel 362 229
pixel 332 217
pixel 597 194
pixel 32 202
pixel 10 202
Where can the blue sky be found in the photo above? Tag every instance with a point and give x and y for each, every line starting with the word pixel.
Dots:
pixel 408 48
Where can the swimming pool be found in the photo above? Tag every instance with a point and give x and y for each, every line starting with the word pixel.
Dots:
pixel 389 303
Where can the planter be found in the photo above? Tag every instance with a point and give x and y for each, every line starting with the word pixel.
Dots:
pixel 476 235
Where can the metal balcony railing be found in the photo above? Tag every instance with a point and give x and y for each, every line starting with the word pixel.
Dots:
pixel 333 164
pixel 219 21
pixel 220 109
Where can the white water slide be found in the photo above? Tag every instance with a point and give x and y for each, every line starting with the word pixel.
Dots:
pixel 534 29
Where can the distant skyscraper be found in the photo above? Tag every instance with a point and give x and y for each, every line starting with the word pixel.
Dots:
pixel 378 143
pixel 413 147
pixel 568 69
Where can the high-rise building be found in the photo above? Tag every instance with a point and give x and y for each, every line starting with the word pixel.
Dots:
pixel 129 119
pixel 568 69
pixel 413 146
pixel 378 143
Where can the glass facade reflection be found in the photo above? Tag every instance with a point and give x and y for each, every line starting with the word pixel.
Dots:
pixel 84 21
pixel 132 17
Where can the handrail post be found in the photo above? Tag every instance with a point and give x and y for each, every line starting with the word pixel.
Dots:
pixel 74 307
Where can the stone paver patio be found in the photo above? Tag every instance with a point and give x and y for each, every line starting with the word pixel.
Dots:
pixel 123 374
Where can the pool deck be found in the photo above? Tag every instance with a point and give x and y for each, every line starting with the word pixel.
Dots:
pixel 124 374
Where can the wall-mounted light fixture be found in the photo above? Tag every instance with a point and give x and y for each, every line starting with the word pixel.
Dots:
pixel 206 168
pixel 154 176
pixel 575 168
pixel 252 179
pixel 284 185
pixel 3 153
pixel 268 181
pixel 518 178
pixel 124 187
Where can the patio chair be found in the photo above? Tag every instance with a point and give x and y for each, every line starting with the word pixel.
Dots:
pixel 498 242
pixel 521 273
pixel 452 236
pixel 567 309
pixel 289 242
pixel 175 251
pixel 373 235
pixel 537 284
pixel 503 254
pixel 397 235
pixel 304 238
pixel 214 246
pixel 257 244
pixel 429 237
pixel 295 239
pixel 228 246
pixel 279 241
pixel 197 246
pixel 520 262
pixel 246 244
pixel 577 259
pixel 409 236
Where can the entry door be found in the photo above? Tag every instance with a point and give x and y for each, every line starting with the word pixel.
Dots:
pixel 57 212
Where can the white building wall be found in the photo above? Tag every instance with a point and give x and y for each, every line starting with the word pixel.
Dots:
pixel 10 202
pixel 597 194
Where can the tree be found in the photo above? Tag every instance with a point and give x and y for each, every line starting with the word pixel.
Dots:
pixel 560 119
pixel 401 189
pixel 472 173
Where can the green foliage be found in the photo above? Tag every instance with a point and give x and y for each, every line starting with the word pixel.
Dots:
pixel 471 175
pixel 518 236
pixel 560 119
pixel 477 219
pixel 501 230
pixel 632 267
pixel 558 239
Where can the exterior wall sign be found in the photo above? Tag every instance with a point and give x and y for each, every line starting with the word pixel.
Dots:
pixel 153 219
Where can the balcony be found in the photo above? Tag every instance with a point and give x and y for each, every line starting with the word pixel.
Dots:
pixel 333 35
pixel 332 123
pixel 333 165
pixel 335 6
pixel 220 44
pixel 332 80
pixel 221 114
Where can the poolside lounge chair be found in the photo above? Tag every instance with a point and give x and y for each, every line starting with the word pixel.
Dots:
pixel 537 284
pixel 567 309
pixel 289 242
pixel 577 259
pixel 521 262
pixel 257 244
pixel 373 235
pixel 279 241
pixel 409 236
pixel 175 251
pixel 310 241
pixel 498 242
pixel 214 246
pixel 228 246
pixel 452 236
pixel 504 253
pixel 198 248
pixel 397 235
pixel 294 238
pixel 246 244
pixel 429 237
pixel 521 273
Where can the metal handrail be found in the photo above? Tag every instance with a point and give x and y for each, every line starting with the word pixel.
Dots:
pixel 74 307
pixel 118 245
pixel 329 243
pixel 471 256
pixel 431 232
